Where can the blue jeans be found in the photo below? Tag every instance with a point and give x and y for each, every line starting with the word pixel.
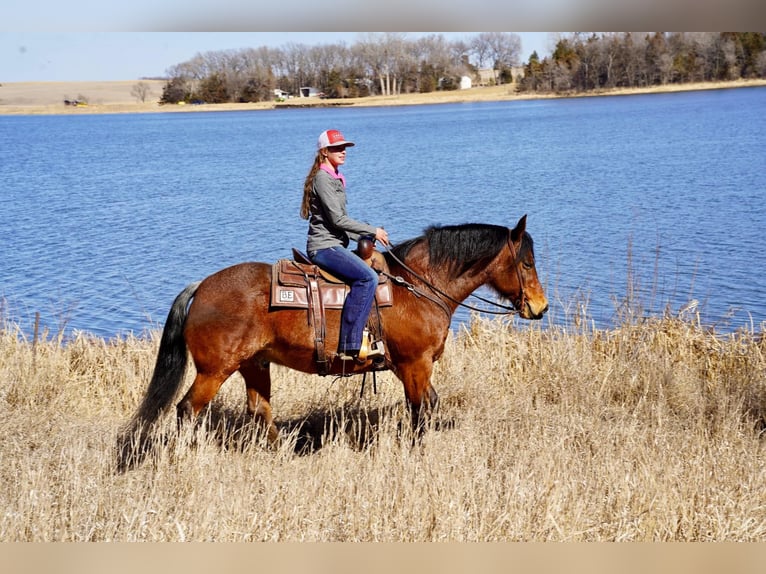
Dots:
pixel 362 280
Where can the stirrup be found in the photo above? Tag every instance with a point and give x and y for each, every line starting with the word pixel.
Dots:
pixel 370 349
pixel 354 358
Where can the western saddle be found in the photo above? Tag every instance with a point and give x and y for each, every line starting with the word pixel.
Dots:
pixel 300 284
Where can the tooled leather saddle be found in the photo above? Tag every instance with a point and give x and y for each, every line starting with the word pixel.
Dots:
pixel 300 284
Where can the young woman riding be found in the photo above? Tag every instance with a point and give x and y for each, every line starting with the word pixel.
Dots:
pixel 331 229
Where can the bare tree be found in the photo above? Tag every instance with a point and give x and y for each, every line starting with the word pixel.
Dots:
pixel 384 53
pixel 702 50
pixel 759 65
pixel 436 58
pixel 250 74
pixel 500 49
pixel 590 57
pixel 328 63
pixel 730 58
pixel 657 59
pixel 293 64
pixel 140 91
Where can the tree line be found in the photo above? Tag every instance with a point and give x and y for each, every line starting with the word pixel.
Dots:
pixel 586 62
pixel 377 64
pixel 392 63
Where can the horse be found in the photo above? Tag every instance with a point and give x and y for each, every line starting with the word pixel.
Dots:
pixel 225 322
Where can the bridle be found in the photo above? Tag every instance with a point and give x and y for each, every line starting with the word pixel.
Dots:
pixel 516 263
pixel 506 310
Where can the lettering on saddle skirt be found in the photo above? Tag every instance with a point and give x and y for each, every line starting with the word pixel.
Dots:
pixel 300 284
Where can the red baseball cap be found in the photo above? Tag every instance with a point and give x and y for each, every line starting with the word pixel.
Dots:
pixel 332 138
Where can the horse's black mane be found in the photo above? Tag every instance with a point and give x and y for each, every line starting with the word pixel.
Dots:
pixel 461 247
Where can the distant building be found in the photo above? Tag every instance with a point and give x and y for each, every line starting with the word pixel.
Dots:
pixel 465 82
pixel 309 92
pixel 281 94
pixel 488 76
pixel 517 73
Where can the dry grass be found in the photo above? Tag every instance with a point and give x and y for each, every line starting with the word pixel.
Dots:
pixel 649 431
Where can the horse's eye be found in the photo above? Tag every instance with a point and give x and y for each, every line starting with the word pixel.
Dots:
pixel 528 265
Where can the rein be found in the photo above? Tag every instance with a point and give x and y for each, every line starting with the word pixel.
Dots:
pixel 412 288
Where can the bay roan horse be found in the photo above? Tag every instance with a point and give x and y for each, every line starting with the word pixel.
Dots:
pixel 230 327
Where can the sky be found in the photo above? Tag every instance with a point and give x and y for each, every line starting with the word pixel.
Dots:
pixel 109 56
pixel 97 40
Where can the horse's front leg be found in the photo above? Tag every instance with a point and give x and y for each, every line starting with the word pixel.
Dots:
pixel 420 394
pixel 421 414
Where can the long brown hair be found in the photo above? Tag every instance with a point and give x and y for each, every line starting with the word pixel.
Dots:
pixel 309 184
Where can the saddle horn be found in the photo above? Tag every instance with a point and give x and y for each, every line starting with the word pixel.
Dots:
pixel 364 247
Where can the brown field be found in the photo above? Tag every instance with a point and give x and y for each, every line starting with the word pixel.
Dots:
pixel 116 97
pixel 646 432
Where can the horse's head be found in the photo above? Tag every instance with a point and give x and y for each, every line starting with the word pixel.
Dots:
pixel 515 276
pixel 460 258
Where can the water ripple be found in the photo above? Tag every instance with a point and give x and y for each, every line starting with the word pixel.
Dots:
pixel 106 218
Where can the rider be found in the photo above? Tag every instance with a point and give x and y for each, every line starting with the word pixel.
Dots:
pixel 330 229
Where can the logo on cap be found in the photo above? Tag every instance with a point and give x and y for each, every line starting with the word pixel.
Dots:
pixel 334 136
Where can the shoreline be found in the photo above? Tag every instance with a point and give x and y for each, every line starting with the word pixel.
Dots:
pixel 47 98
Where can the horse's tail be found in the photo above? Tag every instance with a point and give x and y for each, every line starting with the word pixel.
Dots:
pixel 171 362
pixel 169 371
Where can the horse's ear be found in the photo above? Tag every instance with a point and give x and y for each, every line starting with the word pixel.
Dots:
pixel 518 231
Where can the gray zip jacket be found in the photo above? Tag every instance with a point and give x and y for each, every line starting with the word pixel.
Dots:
pixel 329 224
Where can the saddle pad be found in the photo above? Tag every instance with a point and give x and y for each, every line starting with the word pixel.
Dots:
pixel 290 289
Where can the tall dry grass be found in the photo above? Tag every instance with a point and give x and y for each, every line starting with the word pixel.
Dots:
pixel 648 431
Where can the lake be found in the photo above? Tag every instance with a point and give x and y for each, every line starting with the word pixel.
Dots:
pixel 657 200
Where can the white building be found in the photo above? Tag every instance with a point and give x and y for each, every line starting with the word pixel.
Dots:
pixel 281 94
pixel 309 92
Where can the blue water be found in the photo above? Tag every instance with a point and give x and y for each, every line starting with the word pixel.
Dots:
pixel 655 198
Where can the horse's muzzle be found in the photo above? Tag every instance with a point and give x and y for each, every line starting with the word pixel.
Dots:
pixel 534 310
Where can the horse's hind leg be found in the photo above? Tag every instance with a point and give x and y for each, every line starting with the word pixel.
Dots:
pixel 257 377
pixel 201 392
